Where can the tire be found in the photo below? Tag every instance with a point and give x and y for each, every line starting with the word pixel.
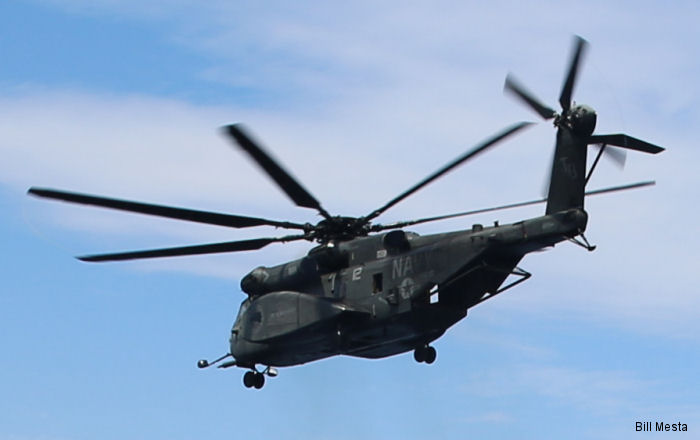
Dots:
pixel 249 379
pixel 419 354
pixel 430 355
pixel 259 381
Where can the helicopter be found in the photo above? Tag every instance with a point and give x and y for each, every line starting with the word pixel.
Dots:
pixel 373 290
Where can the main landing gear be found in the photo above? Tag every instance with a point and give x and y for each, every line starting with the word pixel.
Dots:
pixel 425 353
pixel 256 379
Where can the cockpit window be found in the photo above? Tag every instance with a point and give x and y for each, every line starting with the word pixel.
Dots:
pixel 244 306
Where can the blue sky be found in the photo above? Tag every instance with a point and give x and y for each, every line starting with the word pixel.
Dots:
pixel 124 98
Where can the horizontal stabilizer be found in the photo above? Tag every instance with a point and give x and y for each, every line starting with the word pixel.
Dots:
pixel 625 141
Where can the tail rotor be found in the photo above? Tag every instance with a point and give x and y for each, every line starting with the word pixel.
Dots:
pixel 575 126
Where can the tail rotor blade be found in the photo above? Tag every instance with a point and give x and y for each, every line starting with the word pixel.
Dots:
pixel 616 155
pixel 513 86
pixel 568 87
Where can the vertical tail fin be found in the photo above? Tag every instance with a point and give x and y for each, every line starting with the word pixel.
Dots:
pixel 568 178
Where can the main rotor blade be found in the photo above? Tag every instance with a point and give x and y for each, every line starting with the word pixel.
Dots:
pixel 625 141
pixel 210 218
pixel 478 149
pixel 621 188
pixel 212 248
pixel 403 224
pixel 515 87
pixel 284 180
pixel 568 87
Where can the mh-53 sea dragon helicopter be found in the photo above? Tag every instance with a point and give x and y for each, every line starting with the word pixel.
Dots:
pixel 371 290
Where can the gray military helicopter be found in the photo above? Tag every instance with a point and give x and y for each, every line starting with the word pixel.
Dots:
pixel 371 290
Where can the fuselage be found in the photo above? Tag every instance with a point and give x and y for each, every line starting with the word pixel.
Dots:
pixel 384 294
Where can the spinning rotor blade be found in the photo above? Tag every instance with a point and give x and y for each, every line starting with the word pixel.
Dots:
pixel 625 141
pixel 284 180
pixel 515 87
pixel 212 248
pixel 403 224
pixel 480 148
pixel 568 87
pixel 210 218
pixel 617 156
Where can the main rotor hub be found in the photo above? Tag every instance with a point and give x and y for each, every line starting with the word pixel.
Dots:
pixel 339 228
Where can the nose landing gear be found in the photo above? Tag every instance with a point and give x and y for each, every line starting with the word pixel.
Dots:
pixel 425 353
pixel 256 379
pixel 253 379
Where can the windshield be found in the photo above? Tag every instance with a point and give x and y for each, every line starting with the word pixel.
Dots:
pixel 241 311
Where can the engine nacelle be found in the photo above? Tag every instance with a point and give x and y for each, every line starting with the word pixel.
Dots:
pixel 291 276
pixel 254 283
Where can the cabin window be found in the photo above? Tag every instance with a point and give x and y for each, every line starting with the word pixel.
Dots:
pixel 377 283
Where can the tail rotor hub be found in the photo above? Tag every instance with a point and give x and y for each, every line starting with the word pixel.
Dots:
pixel 580 119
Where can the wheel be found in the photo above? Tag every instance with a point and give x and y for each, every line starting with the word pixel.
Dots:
pixel 430 355
pixel 419 354
pixel 249 379
pixel 259 381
